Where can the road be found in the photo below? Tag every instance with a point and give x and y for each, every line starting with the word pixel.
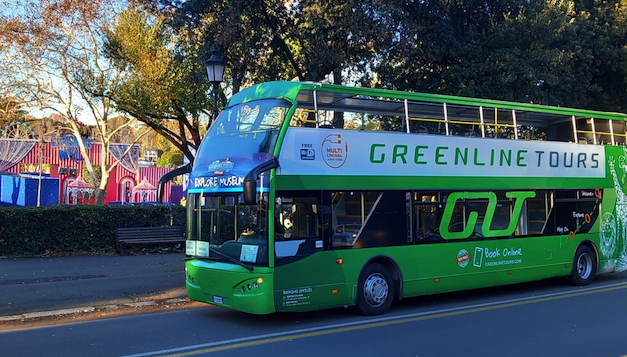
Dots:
pixel 548 318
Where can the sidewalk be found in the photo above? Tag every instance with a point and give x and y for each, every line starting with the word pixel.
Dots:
pixel 35 287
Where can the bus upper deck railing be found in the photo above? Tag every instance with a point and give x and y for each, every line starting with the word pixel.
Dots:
pixel 432 114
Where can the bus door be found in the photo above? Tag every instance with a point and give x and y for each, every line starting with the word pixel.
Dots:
pixel 307 276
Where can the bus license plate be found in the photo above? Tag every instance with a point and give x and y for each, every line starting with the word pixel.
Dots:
pixel 218 299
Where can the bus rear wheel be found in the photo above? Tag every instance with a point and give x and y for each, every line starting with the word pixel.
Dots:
pixel 584 266
pixel 375 291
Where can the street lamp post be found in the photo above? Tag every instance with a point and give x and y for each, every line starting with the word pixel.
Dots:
pixel 215 72
pixel 40 148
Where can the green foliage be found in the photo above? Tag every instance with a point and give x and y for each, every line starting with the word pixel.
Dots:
pixel 66 229
pixel 165 75
pixel 163 144
pixel 170 155
pixel 554 52
pixel 268 40
pixel 87 176
pixel 170 159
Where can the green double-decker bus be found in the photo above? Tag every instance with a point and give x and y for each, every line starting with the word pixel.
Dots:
pixel 306 196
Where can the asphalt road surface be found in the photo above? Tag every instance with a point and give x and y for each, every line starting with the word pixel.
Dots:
pixel 548 318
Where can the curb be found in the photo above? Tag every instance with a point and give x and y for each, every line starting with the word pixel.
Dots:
pixel 87 309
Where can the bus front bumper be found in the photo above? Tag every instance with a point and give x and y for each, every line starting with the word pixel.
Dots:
pixel 230 286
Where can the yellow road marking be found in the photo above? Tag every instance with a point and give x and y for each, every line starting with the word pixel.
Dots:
pixel 387 323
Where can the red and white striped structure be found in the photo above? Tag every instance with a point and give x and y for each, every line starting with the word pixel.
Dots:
pixel 121 180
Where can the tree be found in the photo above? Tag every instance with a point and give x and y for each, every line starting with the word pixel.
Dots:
pixel 275 39
pixel 170 156
pixel 14 98
pixel 554 52
pixel 55 45
pixel 603 34
pixel 165 79
pixel 11 110
pixel 453 47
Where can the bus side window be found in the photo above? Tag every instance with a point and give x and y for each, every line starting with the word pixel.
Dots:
pixel 297 217
pixel 300 235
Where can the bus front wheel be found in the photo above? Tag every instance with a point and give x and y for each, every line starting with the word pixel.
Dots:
pixel 376 290
pixel 584 266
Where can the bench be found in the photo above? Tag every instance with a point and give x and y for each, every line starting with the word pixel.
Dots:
pixel 149 235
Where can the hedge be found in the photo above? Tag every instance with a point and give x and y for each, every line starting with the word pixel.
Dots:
pixel 69 229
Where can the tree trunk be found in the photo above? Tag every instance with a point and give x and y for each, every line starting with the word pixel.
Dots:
pixel 338 117
pixel 101 195
pixel 101 191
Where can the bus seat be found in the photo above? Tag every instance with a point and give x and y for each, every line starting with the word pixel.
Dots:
pixel 303 219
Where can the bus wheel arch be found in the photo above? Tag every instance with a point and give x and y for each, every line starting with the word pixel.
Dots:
pixel 585 264
pixel 378 285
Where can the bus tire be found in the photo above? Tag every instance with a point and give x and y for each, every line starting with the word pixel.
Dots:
pixel 584 266
pixel 375 290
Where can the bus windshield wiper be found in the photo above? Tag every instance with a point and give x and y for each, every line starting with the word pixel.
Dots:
pixel 231 259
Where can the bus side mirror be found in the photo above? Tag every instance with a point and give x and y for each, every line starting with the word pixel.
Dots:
pixel 250 181
pixel 250 192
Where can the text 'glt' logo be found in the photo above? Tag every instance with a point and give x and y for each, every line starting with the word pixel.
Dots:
pixel 519 199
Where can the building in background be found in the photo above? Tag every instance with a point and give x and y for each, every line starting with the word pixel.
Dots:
pixel 60 159
pixel 151 155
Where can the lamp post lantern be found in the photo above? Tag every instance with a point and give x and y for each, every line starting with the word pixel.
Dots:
pixel 215 72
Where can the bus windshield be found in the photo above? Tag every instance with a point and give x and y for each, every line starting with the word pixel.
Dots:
pixel 243 137
pixel 246 129
pixel 223 229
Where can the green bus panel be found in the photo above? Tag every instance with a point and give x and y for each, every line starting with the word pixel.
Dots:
pixel 315 282
pixel 318 281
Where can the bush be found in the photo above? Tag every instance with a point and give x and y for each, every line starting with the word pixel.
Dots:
pixel 70 229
